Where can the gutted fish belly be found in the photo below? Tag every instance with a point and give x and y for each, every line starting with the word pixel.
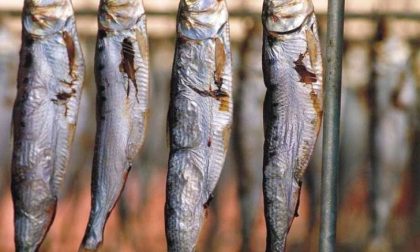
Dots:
pixel 292 109
pixel 44 117
pixel 248 132
pixel 200 116
pixel 121 70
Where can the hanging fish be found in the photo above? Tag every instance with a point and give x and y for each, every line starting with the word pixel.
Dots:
pixel 44 116
pixel 121 70
pixel 354 131
pixel 248 133
pixel 395 99
pixel 292 69
pixel 200 116
pixel 8 61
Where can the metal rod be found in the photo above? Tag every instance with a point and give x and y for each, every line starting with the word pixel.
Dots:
pixel 373 16
pixel 332 97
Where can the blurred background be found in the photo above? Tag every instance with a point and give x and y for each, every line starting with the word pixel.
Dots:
pixel 379 204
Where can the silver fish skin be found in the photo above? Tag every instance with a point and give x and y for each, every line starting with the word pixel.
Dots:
pixel 199 118
pixel 395 101
pixel 248 132
pixel 292 69
pixel 49 86
pixel 122 78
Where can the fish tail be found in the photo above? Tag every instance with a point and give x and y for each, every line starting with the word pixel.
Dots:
pixel 185 204
pixel 281 197
pixel 107 184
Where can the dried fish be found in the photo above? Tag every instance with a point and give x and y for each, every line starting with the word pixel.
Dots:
pixel 50 79
pixel 8 61
pixel 354 130
pixel 121 70
pixel 248 132
pixel 395 99
pixel 200 116
pixel 292 109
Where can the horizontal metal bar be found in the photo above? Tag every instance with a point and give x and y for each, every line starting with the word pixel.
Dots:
pixel 377 15
pixel 352 15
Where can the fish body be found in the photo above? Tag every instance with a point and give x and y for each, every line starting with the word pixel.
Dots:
pixel 354 132
pixel 121 72
pixel 248 132
pixel 292 109
pixel 395 99
pixel 50 80
pixel 199 118
pixel 8 61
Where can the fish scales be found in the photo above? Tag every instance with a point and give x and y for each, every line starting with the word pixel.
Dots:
pixel 199 117
pixel 50 77
pixel 121 72
pixel 292 70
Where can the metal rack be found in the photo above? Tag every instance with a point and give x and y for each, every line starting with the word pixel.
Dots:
pixel 241 14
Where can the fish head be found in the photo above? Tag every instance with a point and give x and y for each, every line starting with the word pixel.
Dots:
pixel 284 16
pixel 46 17
pixel 201 19
pixel 118 15
pixel 201 5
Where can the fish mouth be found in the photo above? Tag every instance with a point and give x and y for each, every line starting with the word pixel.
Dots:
pixel 283 16
pixel 196 7
pixel 122 4
pixel 46 3
pixel 46 17
pixel 200 5
pixel 201 19
pixel 48 9
pixel 117 15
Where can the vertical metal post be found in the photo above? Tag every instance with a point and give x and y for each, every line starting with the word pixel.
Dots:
pixel 332 97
